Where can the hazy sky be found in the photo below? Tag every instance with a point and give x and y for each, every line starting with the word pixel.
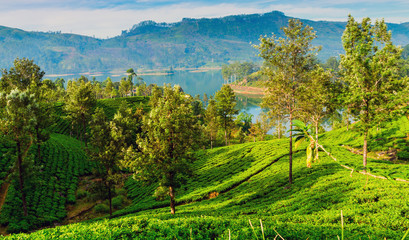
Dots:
pixel 104 19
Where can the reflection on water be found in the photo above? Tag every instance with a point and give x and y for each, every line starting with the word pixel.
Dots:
pixel 191 82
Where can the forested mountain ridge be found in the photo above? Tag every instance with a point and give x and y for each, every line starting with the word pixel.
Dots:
pixel 188 43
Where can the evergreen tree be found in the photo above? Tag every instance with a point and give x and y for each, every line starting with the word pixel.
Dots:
pixel 18 120
pixel 79 105
pixel 211 120
pixel 225 105
pixel 164 152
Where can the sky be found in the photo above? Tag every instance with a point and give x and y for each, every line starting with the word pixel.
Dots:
pixel 104 19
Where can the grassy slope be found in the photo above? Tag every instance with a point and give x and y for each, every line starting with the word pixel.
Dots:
pixel 250 180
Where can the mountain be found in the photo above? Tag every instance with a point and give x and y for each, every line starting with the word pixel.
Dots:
pixel 188 43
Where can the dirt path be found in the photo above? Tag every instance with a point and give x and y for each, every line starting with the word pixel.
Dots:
pixel 248 90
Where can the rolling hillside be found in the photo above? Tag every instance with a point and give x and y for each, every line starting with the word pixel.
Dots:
pixel 189 43
pixel 232 185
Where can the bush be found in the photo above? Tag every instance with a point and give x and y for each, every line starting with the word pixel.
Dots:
pixel 403 155
pixel 120 191
pixel 101 208
pixel 82 194
pixel 118 201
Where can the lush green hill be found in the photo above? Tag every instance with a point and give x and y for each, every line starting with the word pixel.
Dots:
pixel 189 43
pixel 233 184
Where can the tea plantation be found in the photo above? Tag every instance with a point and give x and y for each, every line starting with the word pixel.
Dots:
pixel 53 183
pixel 235 184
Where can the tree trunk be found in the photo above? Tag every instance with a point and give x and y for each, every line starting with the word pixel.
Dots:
pixel 38 144
pixel 211 140
pixel 172 200
pixel 225 136
pixel 21 180
pixel 316 140
pixel 110 199
pixel 365 148
pixel 84 124
pixel 290 156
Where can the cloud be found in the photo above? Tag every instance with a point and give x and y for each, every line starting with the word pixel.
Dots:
pixel 108 18
pixel 109 22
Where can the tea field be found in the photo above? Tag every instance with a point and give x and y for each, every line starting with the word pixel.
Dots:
pixel 53 183
pixel 232 185
pixel 239 192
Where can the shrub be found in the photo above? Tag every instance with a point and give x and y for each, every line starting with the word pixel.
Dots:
pixel 82 194
pixel 120 191
pixel 101 208
pixel 118 201
pixel 403 155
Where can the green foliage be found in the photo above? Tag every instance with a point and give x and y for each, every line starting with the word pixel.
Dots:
pixel 82 194
pixel 118 201
pixel 101 208
pixel 370 69
pixel 249 179
pixel 79 105
pixel 170 133
pixel 403 155
pixel 225 106
pixel 287 62
pixel 57 176
pixel 238 71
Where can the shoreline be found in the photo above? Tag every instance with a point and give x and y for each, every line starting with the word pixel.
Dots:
pixel 244 90
pixel 154 72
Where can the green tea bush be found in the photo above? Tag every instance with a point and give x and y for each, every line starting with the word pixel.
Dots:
pixel 403 155
pixel 82 194
pixel 101 208
pixel 64 161
pixel 118 201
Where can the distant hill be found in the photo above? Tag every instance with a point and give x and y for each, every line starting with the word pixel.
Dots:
pixel 188 43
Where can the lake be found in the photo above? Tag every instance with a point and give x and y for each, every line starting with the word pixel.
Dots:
pixel 192 82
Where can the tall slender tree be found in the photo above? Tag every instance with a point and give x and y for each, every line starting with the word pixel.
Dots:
pixel 131 75
pixel 211 120
pixel 317 99
pixel 18 119
pixel 371 71
pixel 225 105
pixel 79 104
pixel 288 61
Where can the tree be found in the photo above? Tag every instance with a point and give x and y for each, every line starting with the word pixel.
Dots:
pixel 109 87
pixel 261 127
pixel 287 61
pixel 23 74
pixel 370 70
pixel 243 121
pixel 205 99
pixel 163 154
pixel 131 75
pixel 18 121
pixel 317 99
pixel 124 87
pixel 211 120
pixel 109 139
pixel 79 104
pixel 225 105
